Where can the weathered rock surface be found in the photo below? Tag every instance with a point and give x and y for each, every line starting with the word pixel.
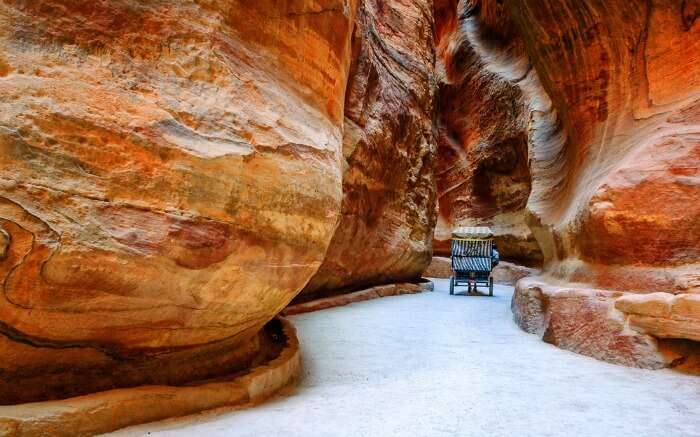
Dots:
pixel 663 315
pixel 388 212
pixel 482 166
pixel 624 79
pixel 622 212
pixel 340 299
pixel 439 267
pixel 509 273
pixel 169 178
pixel 581 320
pixel 102 412
pixel 606 97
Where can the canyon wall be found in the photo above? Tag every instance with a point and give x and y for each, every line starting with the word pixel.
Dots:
pixel 625 81
pixel 624 211
pixel 387 219
pixel 173 174
pixel 579 123
pixel 612 91
pixel 482 171
pixel 170 178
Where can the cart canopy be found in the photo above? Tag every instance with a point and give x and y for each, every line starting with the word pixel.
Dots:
pixel 473 232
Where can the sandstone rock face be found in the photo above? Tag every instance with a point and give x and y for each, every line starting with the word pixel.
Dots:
pixel 623 211
pixel 482 166
pixel 663 315
pixel 170 177
pixel 624 79
pixel 606 98
pixel 439 267
pixel 509 273
pixel 386 226
pixel 581 320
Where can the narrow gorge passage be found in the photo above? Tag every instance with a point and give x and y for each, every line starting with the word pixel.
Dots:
pixel 436 365
pixel 179 176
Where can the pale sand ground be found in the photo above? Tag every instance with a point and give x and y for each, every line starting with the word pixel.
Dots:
pixel 437 365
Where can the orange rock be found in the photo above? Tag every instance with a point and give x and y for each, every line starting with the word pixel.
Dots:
pixel 609 93
pixel 386 227
pixel 169 176
pixel 630 195
pixel 482 165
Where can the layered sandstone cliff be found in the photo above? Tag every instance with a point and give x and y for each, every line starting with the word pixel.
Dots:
pixel 483 174
pixel 612 91
pixel 386 227
pixel 625 81
pixel 172 174
pixel 170 178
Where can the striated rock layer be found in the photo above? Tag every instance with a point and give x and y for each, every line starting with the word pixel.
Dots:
pixel 622 210
pixel 623 213
pixel 386 226
pixel 170 178
pixel 482 167
pixel 605 95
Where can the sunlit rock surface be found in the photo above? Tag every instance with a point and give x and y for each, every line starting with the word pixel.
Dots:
pixel 170 177
pixel 624 215
pixel 386 227
pixel 606 97
pixel 625 81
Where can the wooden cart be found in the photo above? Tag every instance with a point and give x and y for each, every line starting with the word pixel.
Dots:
pixel 472 264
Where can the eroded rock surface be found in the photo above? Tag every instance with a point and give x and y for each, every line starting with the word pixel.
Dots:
pixel 622 213
pixel 582 321
pixel 624 78
pixel 169 178
pixel 386 227
pixel 482 167
pixel 605 97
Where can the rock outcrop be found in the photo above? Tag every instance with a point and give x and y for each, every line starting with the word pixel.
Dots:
pixel 622 211
pixel 387 220
pixel 173 174
pixel 582 321
pixel 482 167
pixel 170 178
pixel 606 98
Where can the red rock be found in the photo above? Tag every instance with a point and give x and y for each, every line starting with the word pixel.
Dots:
pixel 482 166
pixel 509 273
pixel 605 95
pixel 439 267
pixel 581 320
pixel 169 178
pixel 386 227
pixel 626 95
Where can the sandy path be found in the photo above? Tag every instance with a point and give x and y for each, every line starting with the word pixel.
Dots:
pixel 438 365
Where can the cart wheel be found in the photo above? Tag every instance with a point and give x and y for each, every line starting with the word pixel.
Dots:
pixel 452 285
pixel 491 286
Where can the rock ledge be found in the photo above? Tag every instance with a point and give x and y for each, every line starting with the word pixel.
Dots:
pixel 110 410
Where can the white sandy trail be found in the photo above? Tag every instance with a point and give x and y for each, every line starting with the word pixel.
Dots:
pixel 438 365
